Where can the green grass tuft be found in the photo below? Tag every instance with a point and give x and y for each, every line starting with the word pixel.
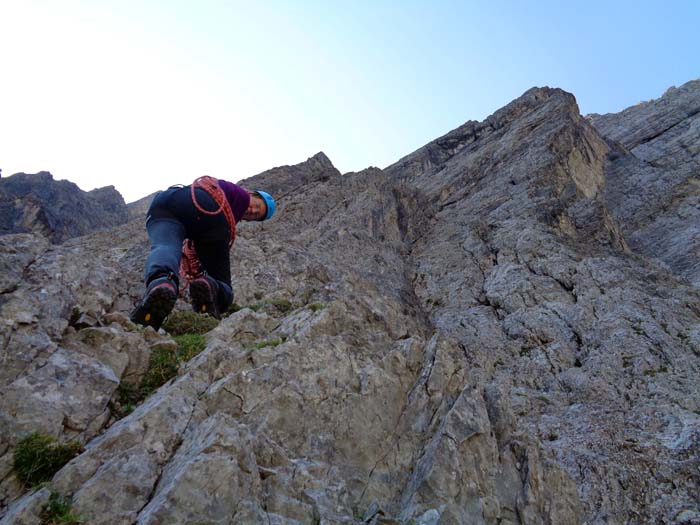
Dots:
pixel 315 307
pixel 189 345
pixel 58 512
pixel 165 362
pixel 38 457
pixel 162 367
pixel 184 322
pixel 231 309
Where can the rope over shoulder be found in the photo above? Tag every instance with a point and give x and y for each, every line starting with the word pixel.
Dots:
pixel 190 267
pixel 211 186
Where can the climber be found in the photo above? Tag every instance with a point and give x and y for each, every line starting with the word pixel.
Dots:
pixel 191 229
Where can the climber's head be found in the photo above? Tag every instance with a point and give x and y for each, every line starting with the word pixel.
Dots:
pixel 262 206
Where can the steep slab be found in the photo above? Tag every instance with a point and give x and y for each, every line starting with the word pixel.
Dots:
pixel 653 176
pixel 576 342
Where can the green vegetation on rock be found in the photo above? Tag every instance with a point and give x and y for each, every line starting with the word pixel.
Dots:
pixel 263 344
pixel 231 309
pixel 74 316
pixel 162 367
pixel 39 456
pixel 58 512
pixel 165 361
pixel 189 345
pixel 184 322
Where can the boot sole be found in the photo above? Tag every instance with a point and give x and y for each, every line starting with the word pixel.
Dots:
pixel 202 298
pixel 156 307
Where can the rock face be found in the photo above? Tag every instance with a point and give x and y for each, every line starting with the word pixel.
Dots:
pixel 653 183
pixel 57 210
pixel 468 336
pixel 138 209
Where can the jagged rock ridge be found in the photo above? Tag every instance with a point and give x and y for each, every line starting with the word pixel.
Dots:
pixel 470 338
pixel 58 210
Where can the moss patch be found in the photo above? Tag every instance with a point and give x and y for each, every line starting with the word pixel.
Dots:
pixel 58 512
pixel 273 342
pixel 231 309
pixel 189 345
pixel 183 322
pixel 39 456
pixel 165 362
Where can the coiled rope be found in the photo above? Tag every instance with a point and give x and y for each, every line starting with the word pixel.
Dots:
pixel 190 267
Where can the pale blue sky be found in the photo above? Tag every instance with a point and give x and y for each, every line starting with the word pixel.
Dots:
pixel 144 94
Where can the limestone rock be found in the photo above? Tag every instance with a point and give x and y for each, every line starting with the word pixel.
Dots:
pixel 214 464
pixel 471 335
pixel 653 186
pixel 290 178
pixel 27 510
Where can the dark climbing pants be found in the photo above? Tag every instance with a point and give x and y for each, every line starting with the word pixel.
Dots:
pixel 172 218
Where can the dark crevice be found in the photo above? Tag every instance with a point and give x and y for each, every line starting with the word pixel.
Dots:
pixel 11 289
pixel 413 482
pixel 424 376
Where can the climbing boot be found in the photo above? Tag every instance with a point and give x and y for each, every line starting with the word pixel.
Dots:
pixel 156 304
pixel 204 292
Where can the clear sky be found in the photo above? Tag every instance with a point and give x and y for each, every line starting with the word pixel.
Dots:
pixel 144 94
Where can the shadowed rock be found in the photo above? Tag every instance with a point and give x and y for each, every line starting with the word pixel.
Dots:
pixel 58 210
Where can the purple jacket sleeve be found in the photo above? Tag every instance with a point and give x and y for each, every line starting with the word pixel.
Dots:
pixel 237 197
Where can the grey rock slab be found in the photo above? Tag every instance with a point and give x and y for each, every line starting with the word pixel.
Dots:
pixel 126 353
pixel 645 121
pixel 118 490
pixel 154 426
pixel 213 471
pixel 17 253
pixel 65 392
pixel 27 510
pixel 652 176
